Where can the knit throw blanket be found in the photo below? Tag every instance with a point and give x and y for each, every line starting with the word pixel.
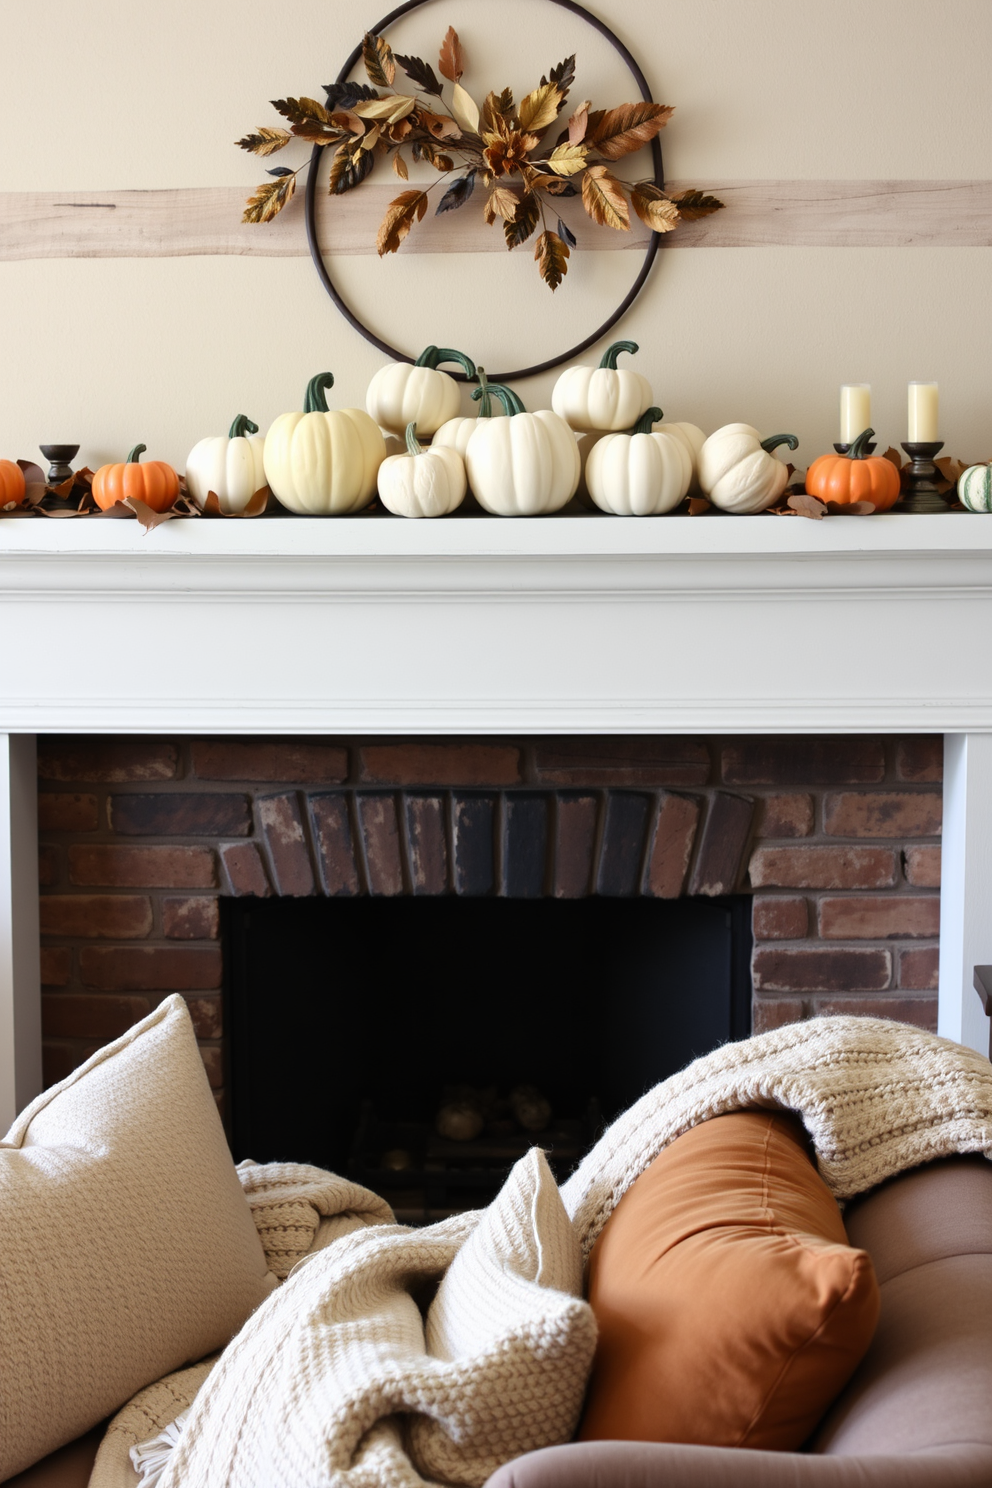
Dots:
pixel 395 1358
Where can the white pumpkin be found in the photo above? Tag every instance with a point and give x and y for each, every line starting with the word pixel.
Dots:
pixel 975 488
pixel 401 394
pixel 693 438
pixel 423 482
pixel 640 473
pixel 321 463
pixel 738 471
pixel 456 433
pixel 602 397
pixel 232 468
pixel 525 465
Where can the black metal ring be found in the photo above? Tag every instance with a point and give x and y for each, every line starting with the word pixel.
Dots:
pixel 574 351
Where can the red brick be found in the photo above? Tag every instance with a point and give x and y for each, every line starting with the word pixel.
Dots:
pixel 245 870
pixel 920 758
pixel 58 1062
pixel 213 1063
pixel 207 1015
pixel 380 829
pixel 270 761
pixel 922 867
pixel 822 868
pixel 919 968
pixel 889 917
pixel 804 761
pixel 614 761
pixel 83 1015
pixel 63 811
pixel 575 843
pixel 106 759
pixel 56 966
pixel 331 820
pixel 439 764
pixel 779 919
pixel 48 866
pixel 768 1013
pixel 282 823
pixel 428 844
pixel 191 919
pixel 142 867
pixel 820 969
pixel 671 850
pixel 921 1011
pixel 208 814
pixel 97 916
pixel 152 968
pixel 784 816
pixel 722 856
pixel 883 814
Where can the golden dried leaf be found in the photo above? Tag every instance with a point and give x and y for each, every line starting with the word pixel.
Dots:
pixel 266 141
pixel 400 167
pixel 540 109
pixel 806 506
pixel 348 169
pixel 298 109
pixel 347 122
pixel 505 154
pixel 441 126
pixel 695 204
pixel 502 203
pixel 269 199
pixel 408 207
pixel 579 123
pixel 619 131
pixel 497 110
pixel 380 64
pixel 552 255
pixel 654 208
pixel 567 160
pixel 604 200
pixel 370 140
pixel 524 222
pixel 451 62
pixel 396 106
pixel 465 110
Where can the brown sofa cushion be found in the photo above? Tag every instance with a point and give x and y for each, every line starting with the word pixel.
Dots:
pixel 731 1308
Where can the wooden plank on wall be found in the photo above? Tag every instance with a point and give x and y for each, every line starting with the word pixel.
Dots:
pixel 759 214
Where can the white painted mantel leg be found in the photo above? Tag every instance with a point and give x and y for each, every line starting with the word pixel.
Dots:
pixel 966 886
pixel 20 969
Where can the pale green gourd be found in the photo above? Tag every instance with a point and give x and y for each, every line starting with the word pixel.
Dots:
pixel 975 488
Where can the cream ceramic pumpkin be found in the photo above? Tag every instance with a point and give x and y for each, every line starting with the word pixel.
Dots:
pixel 233 468
pixel 321 463
pixel 423 482
pixel 401 394
pixel 525 465
pixel 975 488
pixel 602 397
pixel 639 473
pixel 738 471
pixel 693 438
pixel 456 433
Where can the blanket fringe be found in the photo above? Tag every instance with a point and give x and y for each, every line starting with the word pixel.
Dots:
pixel 150 1458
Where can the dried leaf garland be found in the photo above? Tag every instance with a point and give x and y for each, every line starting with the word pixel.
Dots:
pixel 604 200
pixel 266 141
pixel 617 132
pixel 520 227
pixel 401 214
pixel 421 73
pixel 566 160
pixel 465 110
pixel 695 204
pixel 503 202
pixel 451 62
pixel 539 109
pixel 269 199
pixel 400 167
pixel 380 63
pixel 656 210
pixel 346 172
pixel 552 254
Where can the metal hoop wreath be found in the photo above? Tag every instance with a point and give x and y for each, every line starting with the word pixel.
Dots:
pixel 600 331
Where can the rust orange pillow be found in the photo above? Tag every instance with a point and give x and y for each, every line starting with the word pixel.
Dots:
pixel 731 1308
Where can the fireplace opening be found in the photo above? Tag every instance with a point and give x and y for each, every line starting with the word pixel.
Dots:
pixel 353 1022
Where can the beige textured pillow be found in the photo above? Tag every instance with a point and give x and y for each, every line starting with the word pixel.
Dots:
pixel 127 1247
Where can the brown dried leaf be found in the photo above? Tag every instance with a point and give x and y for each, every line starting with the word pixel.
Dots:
pixel 553 185
pixel 579 123
pixel 540 109
pixel 451 62
pixel 269 199
pixel 806 506
pixel 653 207
pixel 552 255
pixel 32 472
pixel 296 110
pixel 441 126
pixel 695 204
pixel 619 131
pixel 604 200
pixel 265 142
pixel 497 111
pixel 855 509
pixel 256 506
pixel 503 202
pixel 894 456
pixel 698 506
pixel 401 214
pixel 63 491
pixel 380 64
pixel 400 167
pixel 347 171
pixel 568 160
pixel 951 469
pixel 524 223
pixel 149 519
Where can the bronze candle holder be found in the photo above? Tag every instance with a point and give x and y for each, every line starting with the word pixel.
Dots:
pixel 59 455
pixel 922 495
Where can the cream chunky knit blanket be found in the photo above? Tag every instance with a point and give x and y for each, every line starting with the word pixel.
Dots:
pixel 337 1381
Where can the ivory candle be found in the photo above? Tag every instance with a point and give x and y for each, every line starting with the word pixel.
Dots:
pixel 855 410
pixel 923 407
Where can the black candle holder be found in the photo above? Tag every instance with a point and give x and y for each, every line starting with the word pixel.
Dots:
pixel 59 455
pixel 844 449
pixel 922 495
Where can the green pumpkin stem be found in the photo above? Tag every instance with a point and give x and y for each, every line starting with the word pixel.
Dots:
pixel 774 440
pixel 511 403
pixel 242 425
pixel 413 446
pixel 433 356
pixel 133 456
pixel 612 352
pixel 649 417
pixel 485 396
pixel 858 450
pixel 315 402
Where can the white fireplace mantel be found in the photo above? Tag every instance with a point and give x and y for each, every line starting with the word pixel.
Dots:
pixel 482 625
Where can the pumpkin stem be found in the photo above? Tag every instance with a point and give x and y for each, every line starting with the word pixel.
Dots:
pixel 857 450
pixel 612 352
pixel 427 358
pixel 242 425
pixel 315 402
pixel 139 449
pixel 774 440
pixel 511 403
pixel 485 396
pixel 439 354
pixel 643 425
pixel 413 447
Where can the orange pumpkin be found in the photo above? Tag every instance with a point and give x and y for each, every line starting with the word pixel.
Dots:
pixel 855 476
pixel 156 484
pixel 12 484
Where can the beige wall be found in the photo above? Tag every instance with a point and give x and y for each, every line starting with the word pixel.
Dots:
pixel 127 94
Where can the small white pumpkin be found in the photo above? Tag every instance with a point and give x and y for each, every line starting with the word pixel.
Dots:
pixel 321 463
pixel 738 471
pixel 975 488
pixel 693 438
pixel 640 473
pixel 232 468
pixel 423 482
pixel 401 394
pixel 525 465
pixel 602 397
pixel 456 433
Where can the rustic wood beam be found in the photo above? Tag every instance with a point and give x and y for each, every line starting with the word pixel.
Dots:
pixel 759 214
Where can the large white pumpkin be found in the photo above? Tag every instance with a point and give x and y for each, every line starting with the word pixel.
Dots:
pixel 693 438
pixel 401 394
pixel 525 465
pixel 640 473
pixel 456 433
pixel 233 468
pixel 602 397
pixel 738 471
pixel 423 482
pixel 322 463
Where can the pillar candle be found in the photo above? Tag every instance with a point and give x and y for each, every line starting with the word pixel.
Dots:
pixel 855 410
pixel 923 405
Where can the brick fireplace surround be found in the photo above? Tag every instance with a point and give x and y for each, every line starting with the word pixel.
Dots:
pixel 838 839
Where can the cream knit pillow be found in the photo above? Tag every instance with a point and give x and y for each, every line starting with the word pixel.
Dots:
pixel 127 1247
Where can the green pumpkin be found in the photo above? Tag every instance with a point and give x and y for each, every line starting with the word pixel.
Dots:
pixel 975 488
